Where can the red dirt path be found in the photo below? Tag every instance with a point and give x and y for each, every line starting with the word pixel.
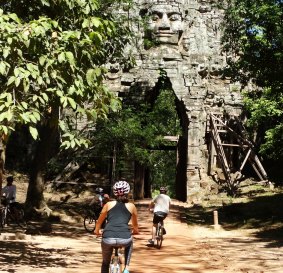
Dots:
pixel 69 249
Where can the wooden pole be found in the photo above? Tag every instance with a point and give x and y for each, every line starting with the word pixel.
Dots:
pixel 215 217
pixel 2 158
pixel 215 220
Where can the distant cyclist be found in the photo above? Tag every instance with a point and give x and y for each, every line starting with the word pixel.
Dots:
pixel 117 232
pixel 160 205
pixel 9 192
pixel 99 200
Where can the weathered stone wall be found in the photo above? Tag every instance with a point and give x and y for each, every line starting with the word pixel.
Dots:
pixel 181 37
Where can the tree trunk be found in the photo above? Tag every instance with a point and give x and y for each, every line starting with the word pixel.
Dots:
pixel 147 184
pixel 139 181
pixel 47 147
pixel 2 163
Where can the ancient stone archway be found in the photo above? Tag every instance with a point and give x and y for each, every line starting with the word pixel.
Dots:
pixel 182 39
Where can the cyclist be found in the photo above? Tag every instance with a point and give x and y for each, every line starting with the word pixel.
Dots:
pixel 160 205
pixel 99 200
pixel 9 192
pixel 117 232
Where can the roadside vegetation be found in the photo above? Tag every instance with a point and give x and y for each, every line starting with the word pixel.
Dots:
pixel 253 35
pixel 52 65
pixel 256 207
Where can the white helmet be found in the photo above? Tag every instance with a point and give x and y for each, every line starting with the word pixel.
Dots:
pixel 121 188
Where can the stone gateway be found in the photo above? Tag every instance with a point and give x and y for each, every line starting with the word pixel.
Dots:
pixel 182 38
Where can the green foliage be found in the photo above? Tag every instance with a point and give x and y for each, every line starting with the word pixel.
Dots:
pixel 253 35
pixel 137 133
pixel 163 170
pixel 149 43
pixel 52 56
pixel 266 115
pixel 136 130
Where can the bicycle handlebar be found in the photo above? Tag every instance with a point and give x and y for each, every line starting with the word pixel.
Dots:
pixel 7 198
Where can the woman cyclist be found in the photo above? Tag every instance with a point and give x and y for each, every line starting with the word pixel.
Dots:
pixel 117 232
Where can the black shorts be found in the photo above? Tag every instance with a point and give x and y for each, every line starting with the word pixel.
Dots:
pixel 5 202
pixel 158 216
pixel 16 205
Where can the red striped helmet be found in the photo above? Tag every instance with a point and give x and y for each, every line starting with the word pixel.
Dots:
pixel 121 188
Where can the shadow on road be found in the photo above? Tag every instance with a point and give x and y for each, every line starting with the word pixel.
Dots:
pixel 263 213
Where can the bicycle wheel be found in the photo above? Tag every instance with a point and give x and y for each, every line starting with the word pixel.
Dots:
pixel 159 236
pixel 20 218
pixel 90 223
pixel 2 217
pixel 115 265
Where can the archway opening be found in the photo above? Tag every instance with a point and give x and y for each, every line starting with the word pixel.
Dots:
pixel 169 158
pixel 145 143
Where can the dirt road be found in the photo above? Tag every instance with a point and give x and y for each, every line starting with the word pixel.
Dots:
pixel 69 249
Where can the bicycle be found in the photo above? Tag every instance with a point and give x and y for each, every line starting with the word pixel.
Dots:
pixel 13 214
pixel 115 264
pixel 91 218
pixel 117 260
pixel 159 233
pixel 90 221
pixel 159 230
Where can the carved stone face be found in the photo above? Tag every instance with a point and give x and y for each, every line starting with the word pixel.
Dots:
pixel 165 24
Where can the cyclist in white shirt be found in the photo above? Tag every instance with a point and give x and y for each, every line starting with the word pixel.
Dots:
pixel 9 194
pixel 161 206
pixel 9 191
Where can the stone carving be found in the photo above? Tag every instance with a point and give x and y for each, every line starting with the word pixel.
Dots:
pixel 185 44
pixel 165 24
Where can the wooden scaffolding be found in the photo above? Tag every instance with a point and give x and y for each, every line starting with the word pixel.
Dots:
pixel 230 149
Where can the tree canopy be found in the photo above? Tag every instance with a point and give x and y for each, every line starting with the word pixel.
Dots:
pixel 137 133
pixel 52 67
pixel 253 40
pixel 52 57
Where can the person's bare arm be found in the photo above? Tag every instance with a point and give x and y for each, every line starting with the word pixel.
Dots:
pixel 151 205
pixel 135 225
pixel 94 200
pixel 101 219
pixel 14 193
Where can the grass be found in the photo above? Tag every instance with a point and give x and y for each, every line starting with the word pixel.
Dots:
pixel 255 207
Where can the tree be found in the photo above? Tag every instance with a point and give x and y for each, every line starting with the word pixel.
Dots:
pixel 52 66
pixel 136 133
pixel 253 39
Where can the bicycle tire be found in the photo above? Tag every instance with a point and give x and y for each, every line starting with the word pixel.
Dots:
pixel 159 236
pixel 116 270
pixel 20 219
pixel 2 218
pixel 114 265
pixel 90 223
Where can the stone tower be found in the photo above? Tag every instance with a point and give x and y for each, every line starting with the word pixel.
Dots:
pixel 183 39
